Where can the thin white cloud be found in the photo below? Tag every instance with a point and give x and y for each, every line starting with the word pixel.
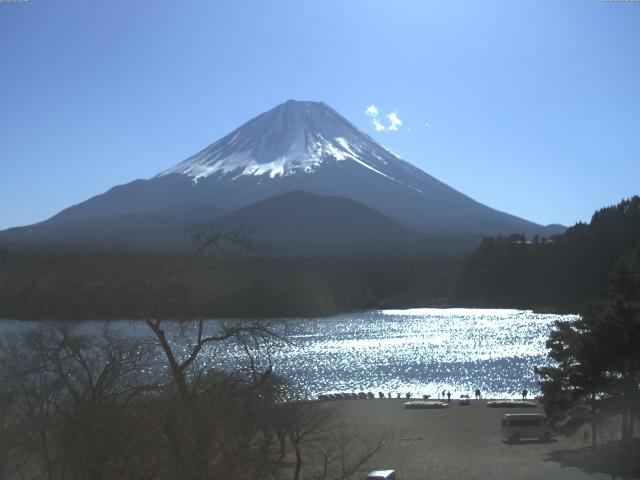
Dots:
pixel 378 126
pixel 377 120
pixel 395 122
pixel 427 124
pixel 372 111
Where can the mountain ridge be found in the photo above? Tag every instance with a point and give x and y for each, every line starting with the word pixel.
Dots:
pixel 302 146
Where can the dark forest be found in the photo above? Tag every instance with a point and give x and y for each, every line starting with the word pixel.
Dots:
pixel 555 274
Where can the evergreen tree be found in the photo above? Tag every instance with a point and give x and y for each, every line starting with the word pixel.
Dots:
pixel 598 356
pixel 560 273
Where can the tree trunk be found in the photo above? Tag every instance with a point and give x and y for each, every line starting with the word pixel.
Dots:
pixel 296 474
pixel 282 452
pixel 177 372
pixel 594 424
pixel 628 391
pixel 174 445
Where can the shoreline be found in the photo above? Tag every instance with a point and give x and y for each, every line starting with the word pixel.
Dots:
pixel 535 310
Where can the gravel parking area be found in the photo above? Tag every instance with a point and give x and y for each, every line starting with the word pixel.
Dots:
pixel 460 442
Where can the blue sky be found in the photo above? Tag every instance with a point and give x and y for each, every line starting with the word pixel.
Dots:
pixel 529 107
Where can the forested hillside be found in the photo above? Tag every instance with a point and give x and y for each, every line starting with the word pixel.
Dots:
pixel 113 286
pixel 557 273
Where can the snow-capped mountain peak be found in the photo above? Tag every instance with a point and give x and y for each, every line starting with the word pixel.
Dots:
pixel 294 137
pixel 297 147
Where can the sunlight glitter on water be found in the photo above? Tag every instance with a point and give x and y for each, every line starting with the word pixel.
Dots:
pixel 423 351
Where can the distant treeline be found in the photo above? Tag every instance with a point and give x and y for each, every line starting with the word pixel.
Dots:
pixel 558 273
pixel 112 286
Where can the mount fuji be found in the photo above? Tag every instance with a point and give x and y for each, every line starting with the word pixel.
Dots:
pixel 298 146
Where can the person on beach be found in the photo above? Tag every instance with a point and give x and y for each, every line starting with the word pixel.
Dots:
pixel 478 395
pixel 525 392
pixel 444 392
pixel 448 396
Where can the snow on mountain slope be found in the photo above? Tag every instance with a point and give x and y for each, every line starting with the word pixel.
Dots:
pixel 292 138
pixel 303 146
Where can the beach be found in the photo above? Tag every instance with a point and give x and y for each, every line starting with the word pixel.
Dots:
pixel 459 442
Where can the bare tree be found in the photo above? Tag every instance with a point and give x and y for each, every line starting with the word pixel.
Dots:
pixel 341 455
pixel 100 406
pixel 211 238
pixel 318 437
pixel 9 454
pixel 69 391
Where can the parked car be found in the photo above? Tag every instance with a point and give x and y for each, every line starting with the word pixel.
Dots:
pixel 382 475
pixel 516 426
pixel 464 400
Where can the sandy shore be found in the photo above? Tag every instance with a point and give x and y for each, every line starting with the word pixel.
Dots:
pixel 460 442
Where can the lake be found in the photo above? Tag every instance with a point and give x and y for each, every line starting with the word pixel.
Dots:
pixel 422 351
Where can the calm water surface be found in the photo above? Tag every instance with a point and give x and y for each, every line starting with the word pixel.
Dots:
pixel 423 351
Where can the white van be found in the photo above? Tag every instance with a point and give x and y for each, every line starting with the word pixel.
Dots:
pixel 516 426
